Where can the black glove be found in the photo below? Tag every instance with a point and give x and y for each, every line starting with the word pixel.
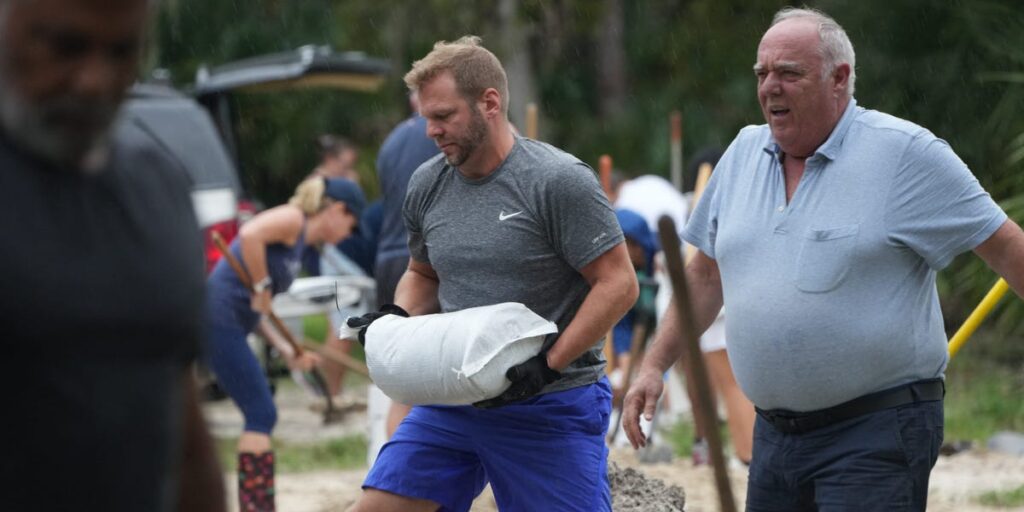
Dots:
pixel 528 378
pixel 362 322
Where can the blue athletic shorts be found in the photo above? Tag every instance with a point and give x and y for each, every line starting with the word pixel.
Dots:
pixel 545 453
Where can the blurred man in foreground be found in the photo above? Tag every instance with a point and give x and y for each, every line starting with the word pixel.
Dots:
pixel 102 276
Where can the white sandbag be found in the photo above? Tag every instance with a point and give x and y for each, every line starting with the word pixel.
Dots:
pixel 452 358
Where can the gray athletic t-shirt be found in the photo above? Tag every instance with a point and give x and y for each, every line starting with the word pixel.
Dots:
pixel 521 234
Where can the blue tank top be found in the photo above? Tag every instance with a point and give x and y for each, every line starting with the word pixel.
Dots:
pixel 229 303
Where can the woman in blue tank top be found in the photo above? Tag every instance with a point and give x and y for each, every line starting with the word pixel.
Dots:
pixel 322 211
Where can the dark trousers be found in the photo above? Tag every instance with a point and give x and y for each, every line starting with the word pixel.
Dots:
pixel 875 462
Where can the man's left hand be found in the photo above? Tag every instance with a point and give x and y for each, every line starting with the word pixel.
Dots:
pixel 528 378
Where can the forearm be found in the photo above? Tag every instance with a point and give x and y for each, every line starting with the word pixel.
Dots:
pixel 607 301
pixel 201 485
pixel 276 339
pixel 417 293
pixel 669 344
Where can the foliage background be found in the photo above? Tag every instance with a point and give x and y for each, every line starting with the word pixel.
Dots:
pixel 606 74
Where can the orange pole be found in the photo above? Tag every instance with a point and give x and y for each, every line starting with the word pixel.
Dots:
pixel 531 120
pixel 605 168
pixel 676 148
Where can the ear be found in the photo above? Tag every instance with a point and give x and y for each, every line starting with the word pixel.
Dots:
pixel 490 103
pixel 334 205
pixel 841 77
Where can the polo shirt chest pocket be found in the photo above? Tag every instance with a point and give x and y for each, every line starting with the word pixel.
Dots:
pixel 824 256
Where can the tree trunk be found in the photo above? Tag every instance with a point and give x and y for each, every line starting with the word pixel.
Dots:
pixel 611 60
pixel 514 51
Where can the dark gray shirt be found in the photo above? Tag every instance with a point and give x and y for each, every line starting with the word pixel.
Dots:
pixel 521 234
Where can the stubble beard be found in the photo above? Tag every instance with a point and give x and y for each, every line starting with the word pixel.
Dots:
pixel 43 129
pixel 475 135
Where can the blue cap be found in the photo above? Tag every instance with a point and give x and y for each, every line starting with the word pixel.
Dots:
pixel 635 228
pixel 346 191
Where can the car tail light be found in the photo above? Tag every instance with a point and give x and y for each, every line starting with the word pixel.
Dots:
pixel 227 230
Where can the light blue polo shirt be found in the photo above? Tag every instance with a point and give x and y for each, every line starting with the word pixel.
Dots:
pixel 832 296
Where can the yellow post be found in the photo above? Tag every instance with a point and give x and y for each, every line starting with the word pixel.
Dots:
pixel 979 314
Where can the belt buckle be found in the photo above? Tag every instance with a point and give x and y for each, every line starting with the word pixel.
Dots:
pixel 792 425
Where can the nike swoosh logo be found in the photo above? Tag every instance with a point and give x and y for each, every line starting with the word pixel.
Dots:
pixel 502 216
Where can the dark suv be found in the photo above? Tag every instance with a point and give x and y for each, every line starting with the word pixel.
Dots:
pixel 187 132
pixel 198 130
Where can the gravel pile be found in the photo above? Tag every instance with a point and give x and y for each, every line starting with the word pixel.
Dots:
pixel 634 492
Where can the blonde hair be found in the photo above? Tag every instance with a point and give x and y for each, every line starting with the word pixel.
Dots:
pixel 474 68
pixel 309 196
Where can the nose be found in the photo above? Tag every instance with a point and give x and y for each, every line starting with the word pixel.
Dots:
pixel 97 76
pixel 434 129
pixel 770 85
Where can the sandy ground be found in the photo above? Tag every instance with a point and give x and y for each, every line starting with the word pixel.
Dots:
pixel 955 482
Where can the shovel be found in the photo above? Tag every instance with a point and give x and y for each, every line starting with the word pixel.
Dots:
pixel 315 380
pixel 674 261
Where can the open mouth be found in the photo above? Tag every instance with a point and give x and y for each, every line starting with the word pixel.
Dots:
pixel 778 112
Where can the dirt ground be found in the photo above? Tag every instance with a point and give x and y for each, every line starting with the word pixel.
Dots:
pixel 955 482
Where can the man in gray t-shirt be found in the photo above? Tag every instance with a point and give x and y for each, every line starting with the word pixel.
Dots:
pixel 823 231
pixel 499 218
pixel 521 234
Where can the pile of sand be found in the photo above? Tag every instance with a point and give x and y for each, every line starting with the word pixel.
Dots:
pixel 634 492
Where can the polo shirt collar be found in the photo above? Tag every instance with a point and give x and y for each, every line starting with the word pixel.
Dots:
pixel 830 149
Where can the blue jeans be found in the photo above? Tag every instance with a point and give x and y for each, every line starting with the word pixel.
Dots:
pixel 875 462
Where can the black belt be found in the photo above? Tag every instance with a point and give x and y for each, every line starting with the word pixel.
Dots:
pixel 791 422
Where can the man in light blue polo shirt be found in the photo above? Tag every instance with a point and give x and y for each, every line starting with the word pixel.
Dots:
pixel 823 231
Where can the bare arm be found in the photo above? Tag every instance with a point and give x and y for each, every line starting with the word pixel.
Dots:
pixel 1004 253
pixel 613 290
pixel 276 225
pixel 201 484
pixel 705 285
pixel 417 290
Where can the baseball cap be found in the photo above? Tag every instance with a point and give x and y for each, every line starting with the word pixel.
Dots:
pixel 346 191
pixel 635 228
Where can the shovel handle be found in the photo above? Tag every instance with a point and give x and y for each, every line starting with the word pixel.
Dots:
pixel 243 276
pixel 674 261
pixel 339 357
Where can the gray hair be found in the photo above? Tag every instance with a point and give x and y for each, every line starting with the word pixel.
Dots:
pixel 835 47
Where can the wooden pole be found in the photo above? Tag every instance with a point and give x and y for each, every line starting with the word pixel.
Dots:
pixel 604 167
pixel 531 120
pixel 338 357
pixel 676 147
pixel 674 261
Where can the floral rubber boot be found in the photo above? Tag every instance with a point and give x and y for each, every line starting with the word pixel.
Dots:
pixel 256 482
